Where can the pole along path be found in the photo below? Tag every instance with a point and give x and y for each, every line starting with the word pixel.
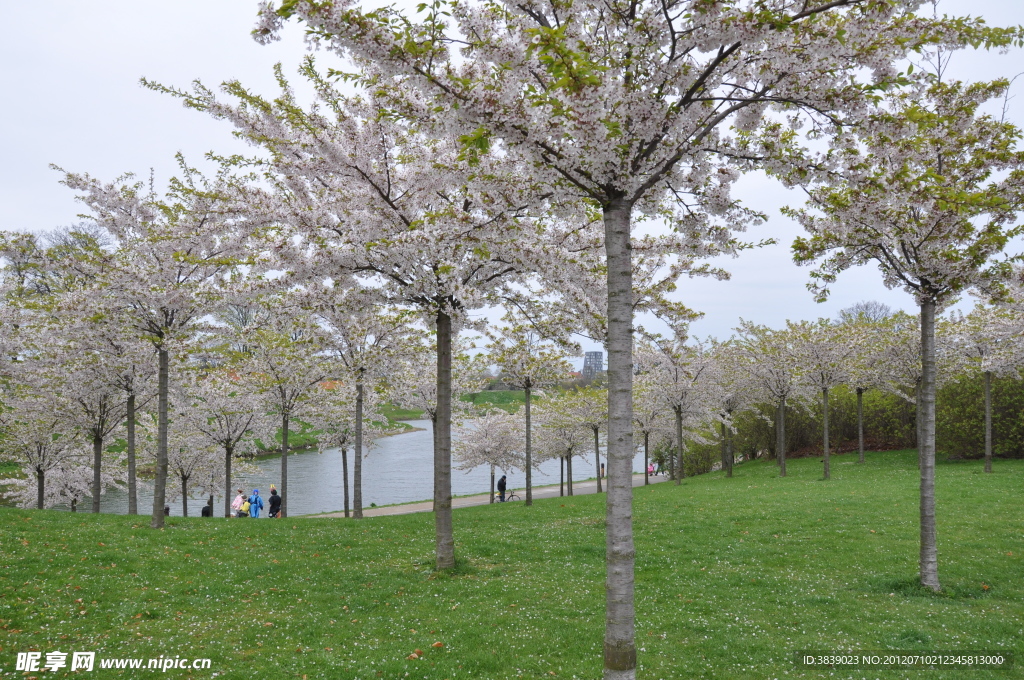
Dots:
pixel 578 489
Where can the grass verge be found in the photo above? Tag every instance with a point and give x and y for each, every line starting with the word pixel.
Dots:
pixel 732 576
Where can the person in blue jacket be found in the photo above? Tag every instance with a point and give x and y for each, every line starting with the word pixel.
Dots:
pixel 255 503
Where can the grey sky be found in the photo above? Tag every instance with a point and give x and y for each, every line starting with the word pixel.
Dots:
pixel 72 97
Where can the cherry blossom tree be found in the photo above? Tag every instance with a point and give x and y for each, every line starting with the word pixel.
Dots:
pixel 173 254
pixel 494 439
pixel 362 189
pixel 362 338
pixel 686 375
pixel 628 106
pixel 987 339
pixel 650 410
pixel 588 408
pixel 736 391
pixel 528 361
pixel 560 435
pixel 828 355
pixel 288 359
pixel 929 188
pixel 223 408
pixel 768 357
pixel 335 422
pixel 870 321
pixel 34 438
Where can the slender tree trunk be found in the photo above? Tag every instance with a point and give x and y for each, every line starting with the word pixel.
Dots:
pixel 133 491
pixel 677 474
pixel 97 461
pixel 780 436
pixel 824 429
pixel 74 505
pixel 41 488
pixel 561 475
pixel 284 462
pixel 184 495
pixel 357 458
pixel 860 424
pixel 681 449
pixel 988 421
pixel 344 479
pixel 445 542
pixel 568 474
pixel 725 452
pixel 229 453
pixel 620 632
pixel 492 484
pixel 597 457
pixel 160 483
pixel 929 544
pixel 529 448
pixel 729 450
pixel 647 458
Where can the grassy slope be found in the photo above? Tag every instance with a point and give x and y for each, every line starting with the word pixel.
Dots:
pixel 732 577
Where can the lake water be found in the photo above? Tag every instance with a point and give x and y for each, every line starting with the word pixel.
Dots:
pixel 396 469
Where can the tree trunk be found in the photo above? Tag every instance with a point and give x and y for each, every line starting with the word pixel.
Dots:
pixel 597 457
pixel 445 542
pixel 74 505
pixel 780 436
pixel 529 451
pixel 929 548
pixel 919 420
pixel 568 474
pixel 284 463
pixel 729 450
pixel 229 453
pixel 860 424
pixel 97 461
pixel 681 463
pixel 647 458
pixel 133 492
pixel 561 476
pixel 41 488
pixel 678 458
pixel 344 479
pixel 184 495
pixel 619 636
pixel 357 459
pixel 988 421
pixel 492 485
pixel 725 452
pixel 160 483
pixel 824 429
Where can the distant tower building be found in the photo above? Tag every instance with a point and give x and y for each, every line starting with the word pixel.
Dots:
pixel 593 363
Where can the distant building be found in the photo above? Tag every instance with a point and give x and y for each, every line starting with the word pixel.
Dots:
pixel 593 363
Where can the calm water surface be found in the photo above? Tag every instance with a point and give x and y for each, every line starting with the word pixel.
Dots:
pixel 396 469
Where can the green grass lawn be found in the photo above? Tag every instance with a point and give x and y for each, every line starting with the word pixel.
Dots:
pixel 732 576
pixel 506 400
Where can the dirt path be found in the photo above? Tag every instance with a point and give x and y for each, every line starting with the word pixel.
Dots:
pixel 578 489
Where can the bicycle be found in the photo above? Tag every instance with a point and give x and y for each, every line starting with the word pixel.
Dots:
pixel 512 496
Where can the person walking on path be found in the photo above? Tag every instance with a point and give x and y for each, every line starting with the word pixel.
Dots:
pixel 501 489
pixel 275 503
pixel 255 504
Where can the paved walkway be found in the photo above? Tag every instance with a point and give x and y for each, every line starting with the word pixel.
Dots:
pixel 578 489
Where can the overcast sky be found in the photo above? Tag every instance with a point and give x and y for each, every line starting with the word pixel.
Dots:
pixel 70 79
